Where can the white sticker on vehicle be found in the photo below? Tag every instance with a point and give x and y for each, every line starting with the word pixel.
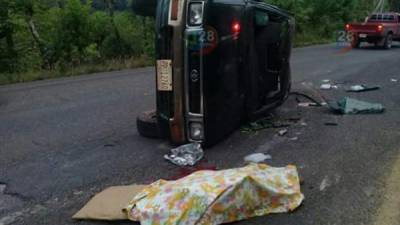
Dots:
pixel 164 75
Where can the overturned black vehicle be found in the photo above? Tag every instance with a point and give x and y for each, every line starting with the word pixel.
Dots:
pixel 219 63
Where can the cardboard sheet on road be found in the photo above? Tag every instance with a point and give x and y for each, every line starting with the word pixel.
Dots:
pixel 109 204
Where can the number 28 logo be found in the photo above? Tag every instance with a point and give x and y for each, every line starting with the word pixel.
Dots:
pixel 204 41
pixel 344 36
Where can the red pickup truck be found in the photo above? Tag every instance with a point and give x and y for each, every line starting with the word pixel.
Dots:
pixel 379 29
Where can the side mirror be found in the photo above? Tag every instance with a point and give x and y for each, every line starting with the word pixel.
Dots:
pixel 262 19
pixel 145 7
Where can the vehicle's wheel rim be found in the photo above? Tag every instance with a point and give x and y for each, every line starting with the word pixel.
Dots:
pixel 390 40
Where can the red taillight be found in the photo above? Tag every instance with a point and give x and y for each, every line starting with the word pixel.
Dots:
pixel 380 27
pixel 236 27
pixel 348 26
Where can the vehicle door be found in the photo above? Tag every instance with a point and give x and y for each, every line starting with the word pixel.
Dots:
pixel 271 54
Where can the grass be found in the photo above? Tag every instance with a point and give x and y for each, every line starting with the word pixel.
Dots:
pixel 303 40
pixel 109 65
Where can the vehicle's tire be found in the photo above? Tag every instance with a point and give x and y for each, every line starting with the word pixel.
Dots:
pixel 147 125
pixel 355 43
pixel 388 41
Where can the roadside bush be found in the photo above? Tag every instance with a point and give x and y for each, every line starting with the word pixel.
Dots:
pixel 45 38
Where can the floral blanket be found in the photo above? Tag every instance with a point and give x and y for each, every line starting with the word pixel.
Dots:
pixel 217 197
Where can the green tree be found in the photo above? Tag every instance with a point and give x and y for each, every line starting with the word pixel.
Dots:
pixel 73 32
pixel 8 53
pixel 394 5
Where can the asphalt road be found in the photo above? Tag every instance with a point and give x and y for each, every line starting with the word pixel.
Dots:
pixel 62 141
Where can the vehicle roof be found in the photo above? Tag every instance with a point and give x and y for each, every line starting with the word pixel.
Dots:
pixel 386 13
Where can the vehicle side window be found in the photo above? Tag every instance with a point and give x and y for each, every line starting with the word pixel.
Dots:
pixel 262 18
pixel 386 17
pixel 399 19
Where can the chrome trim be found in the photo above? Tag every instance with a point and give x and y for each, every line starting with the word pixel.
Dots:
pixel 193 117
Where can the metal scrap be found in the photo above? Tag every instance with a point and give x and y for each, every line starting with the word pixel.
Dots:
pixel 186 155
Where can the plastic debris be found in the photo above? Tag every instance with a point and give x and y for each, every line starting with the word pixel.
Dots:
pixel 218 197
pixel 283 132
pixel 328 87
pixel 257 158
pixel 362 88
pixel 294 139
pixel 186 155
pixel 308 104
pixel 394 80
pixel 354 106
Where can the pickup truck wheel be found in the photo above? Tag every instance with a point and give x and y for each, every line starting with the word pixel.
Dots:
pixel 388 41
pixel 355 43
pixel 147 125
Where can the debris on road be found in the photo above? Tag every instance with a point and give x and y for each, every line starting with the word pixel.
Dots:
pixel 394 80
pixel 308 104
pixel 294 139
pixel 362 88
pixel 324 184
pixel 78 192
pixel 217 197
pixel 257 158
pixel 328 87
pixel 312 102
pixel 267 123
pixel 353 106
pixel 283 132
pixel 186 155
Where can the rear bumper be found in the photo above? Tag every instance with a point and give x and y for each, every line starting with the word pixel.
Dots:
pixel 368 36
pixel 362 34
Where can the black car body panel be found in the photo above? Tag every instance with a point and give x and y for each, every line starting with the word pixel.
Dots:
pixel 230 68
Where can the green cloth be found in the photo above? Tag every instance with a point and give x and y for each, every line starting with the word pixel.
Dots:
pixel 354 106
